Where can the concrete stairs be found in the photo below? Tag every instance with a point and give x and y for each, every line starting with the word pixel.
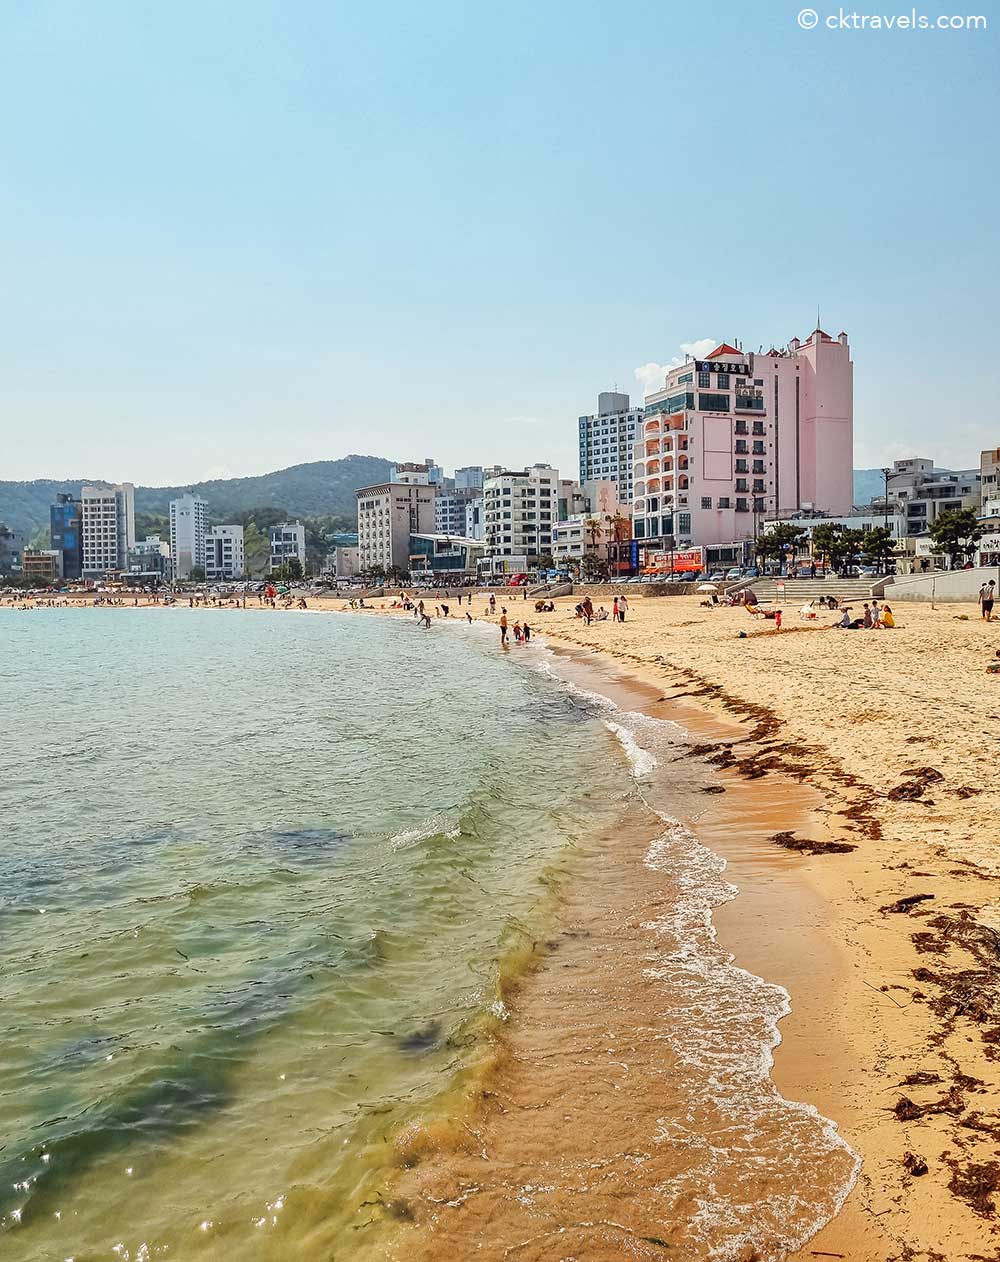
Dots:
pixel 799 590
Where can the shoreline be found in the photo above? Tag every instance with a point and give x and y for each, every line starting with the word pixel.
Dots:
pixel 899 1048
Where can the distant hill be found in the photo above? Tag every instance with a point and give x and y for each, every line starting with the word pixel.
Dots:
pixel 321 488
pixel 868 484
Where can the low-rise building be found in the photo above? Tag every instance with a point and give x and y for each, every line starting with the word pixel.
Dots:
pixel 149 561
pixel 43 565
pixel 288 543
pixel 224 553
pixel 444 555
pixel 343 562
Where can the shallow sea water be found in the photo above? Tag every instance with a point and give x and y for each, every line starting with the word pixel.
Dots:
pixel 260 879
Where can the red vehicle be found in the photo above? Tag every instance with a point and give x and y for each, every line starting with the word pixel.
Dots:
pixel 517 580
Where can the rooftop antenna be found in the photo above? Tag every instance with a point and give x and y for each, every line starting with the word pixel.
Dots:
pixel 817 315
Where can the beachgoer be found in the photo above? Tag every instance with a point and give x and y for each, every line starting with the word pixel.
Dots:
pixel 518 635
pixel 468 615
pixel 777 619
pixel 986 595
pixel 503 627
pixel 876 616
pixel 493 603
pixel 526 632
pixel 444 610
pixel 622 607
pixel 614 610
pixel 866 619
pixel 887 619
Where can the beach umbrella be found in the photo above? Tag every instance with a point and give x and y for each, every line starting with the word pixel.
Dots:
pixel 708 587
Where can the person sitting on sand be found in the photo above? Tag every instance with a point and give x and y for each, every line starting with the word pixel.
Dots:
pixel 601 615
pixel 887 619
pixel 866 619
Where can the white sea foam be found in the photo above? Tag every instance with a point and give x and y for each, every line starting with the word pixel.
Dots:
pixel 642 761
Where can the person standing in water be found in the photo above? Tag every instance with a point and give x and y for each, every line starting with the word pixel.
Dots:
pixel 503 627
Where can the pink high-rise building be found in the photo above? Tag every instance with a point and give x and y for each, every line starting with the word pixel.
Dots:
pixel 736 438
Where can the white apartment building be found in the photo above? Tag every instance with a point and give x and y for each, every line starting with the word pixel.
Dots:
pixel 224 553
pixel 607 441
pixel 188 523
pixel 107 527
pixel 388 514
pixel 288 542
pixel 919 492
pixel 520 507
pixel 417 473
pixel 737 438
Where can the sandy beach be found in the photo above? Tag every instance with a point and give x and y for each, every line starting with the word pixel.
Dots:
pixel 858 817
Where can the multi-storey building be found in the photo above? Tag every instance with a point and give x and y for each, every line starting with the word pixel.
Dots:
pixel 469 478
pixel 388 514
pixel 107 524
pixel 737 438
pixel 607 441
pixel 42 564
pixel 919 492
pixel 288 543
pixel 11 552
pixel 520 508
pixel 224 555
pixel 450 510
pixel 188 524
pixel 599 531
pixel 475 518
pixel 65 536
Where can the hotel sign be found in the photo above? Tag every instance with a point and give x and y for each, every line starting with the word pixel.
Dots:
pixel 718 365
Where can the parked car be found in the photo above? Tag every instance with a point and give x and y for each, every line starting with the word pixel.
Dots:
pixel 734 575
pixel 717 577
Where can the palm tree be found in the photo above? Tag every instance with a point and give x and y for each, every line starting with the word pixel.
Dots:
pixel 593 528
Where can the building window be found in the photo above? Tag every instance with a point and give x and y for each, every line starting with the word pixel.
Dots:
pixel 742 466
pixel 722 380
pixel 706 501
pixel 758 466
pixel 724 501
pixel 684 523
pixel 685 378
pixel 704 380
pixel 741 505
pixel 713 402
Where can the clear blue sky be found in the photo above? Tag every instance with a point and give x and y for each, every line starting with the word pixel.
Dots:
pixel 238 236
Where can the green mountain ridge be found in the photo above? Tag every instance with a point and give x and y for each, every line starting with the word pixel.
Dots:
pixel 317 489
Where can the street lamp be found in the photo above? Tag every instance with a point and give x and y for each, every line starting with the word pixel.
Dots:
pixel 888 475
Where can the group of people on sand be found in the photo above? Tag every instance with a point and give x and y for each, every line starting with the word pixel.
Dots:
pixel 875 618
